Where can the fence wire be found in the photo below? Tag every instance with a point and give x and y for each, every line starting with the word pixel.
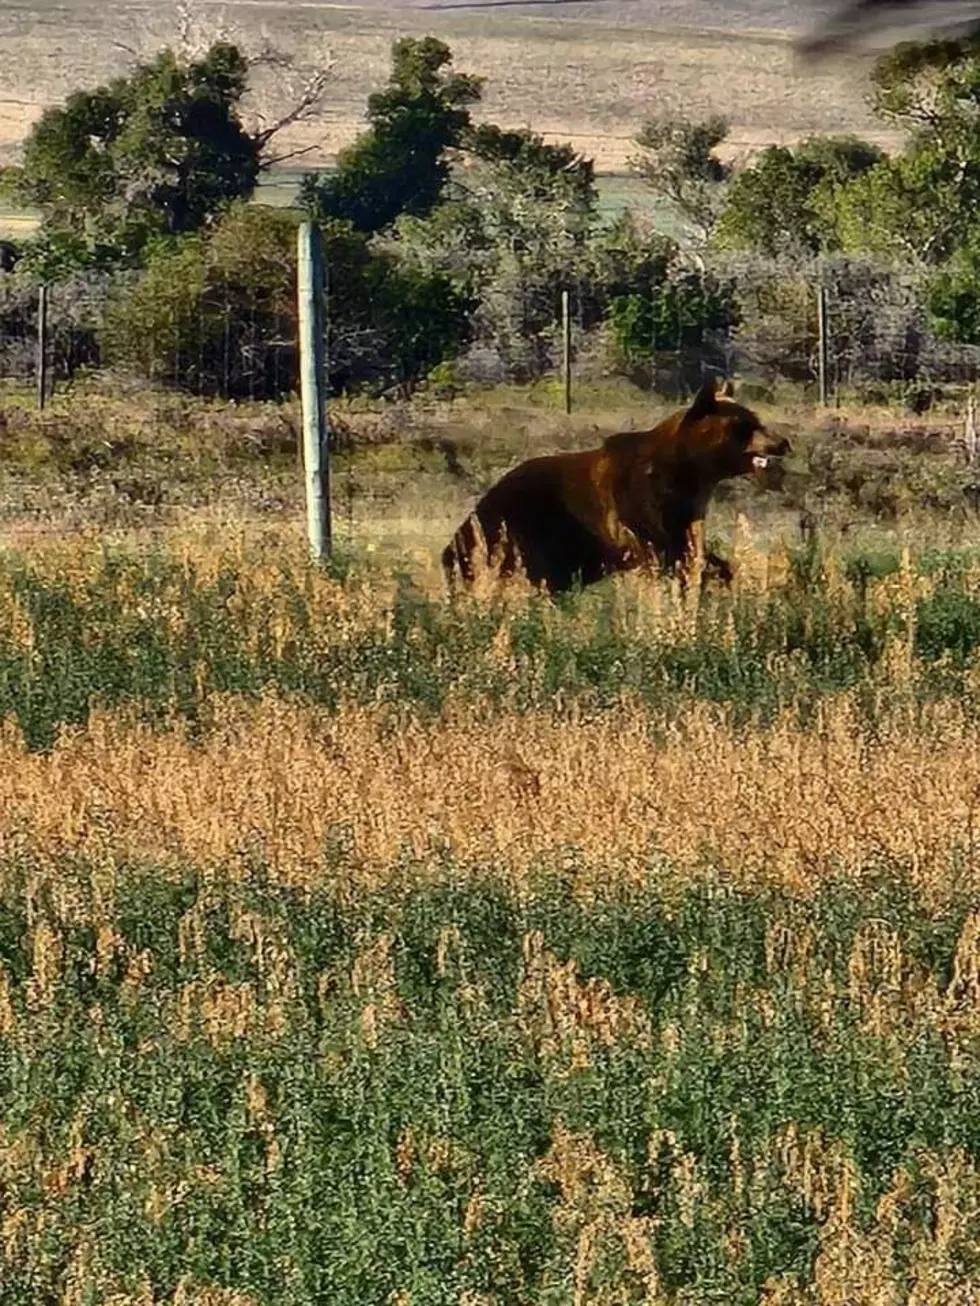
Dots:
pixel 228 344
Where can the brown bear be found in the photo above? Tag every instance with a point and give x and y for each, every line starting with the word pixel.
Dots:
pixel 639 500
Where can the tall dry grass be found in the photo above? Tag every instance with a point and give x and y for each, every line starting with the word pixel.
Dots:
pixel 291 707
pixel 787 805
pixel 359 947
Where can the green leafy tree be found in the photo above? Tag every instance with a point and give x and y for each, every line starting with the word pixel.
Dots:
pixel 630 257
pixel 213 312
pixel 155 154
pixel 512 232
pixel 679 164
pixel 400 164
pixel 785 202
pixel 899 210
pixel 539 163
pixel 954 295
pixel 417 319
pixel 922 204
pixel 689 315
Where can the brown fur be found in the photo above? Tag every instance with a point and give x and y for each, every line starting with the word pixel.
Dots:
pixel 638 500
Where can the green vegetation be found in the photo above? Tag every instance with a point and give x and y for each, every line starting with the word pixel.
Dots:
pixel 113 641
pixel 453 1089
pixel 450 244
pixel 156 154
pixel 311 992
pixel 399 165
pixel 678 162
pixel 216 313
pixel 784 203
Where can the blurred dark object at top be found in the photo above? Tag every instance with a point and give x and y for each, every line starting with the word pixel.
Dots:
pixel 894 20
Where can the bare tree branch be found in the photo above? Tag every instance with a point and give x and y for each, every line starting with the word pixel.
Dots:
pixel 287 88
pixel 306 102
pixel 274 160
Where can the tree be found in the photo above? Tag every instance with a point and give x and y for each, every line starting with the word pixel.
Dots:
pixel 214 312
pixel 539 163
pixel 933 85
pixel 679 163
pixel 686 316
pixel 954 295
pixel 286 88
pixel 923 203
pixel 512 231
pixel 400 164
pixel 628 257
pixel 784 203
pixel 158 153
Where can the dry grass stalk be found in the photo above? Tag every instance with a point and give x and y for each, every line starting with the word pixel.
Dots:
pixel 273 778
pixel 565 1018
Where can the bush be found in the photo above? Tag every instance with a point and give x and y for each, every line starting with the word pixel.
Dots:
pixel 75 308
pixel 954 296
pixel 691 316
pixel 216 313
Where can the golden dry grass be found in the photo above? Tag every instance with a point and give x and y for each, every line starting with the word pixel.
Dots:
pixel 276 779
pixel 782 804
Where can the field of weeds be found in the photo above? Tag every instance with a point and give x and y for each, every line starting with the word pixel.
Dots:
pixel 361 947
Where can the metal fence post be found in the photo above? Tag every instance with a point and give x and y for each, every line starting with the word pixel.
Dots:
pixel 42 345
pixel 566 341
pixel 316 454
pixel 822 343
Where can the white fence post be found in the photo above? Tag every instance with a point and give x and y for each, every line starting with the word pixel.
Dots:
pixel 970 434
pixel 316 454
pixel 42 345
pixel 822 343
pixel 566 342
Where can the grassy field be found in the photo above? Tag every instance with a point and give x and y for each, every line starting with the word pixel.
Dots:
pixel 361 947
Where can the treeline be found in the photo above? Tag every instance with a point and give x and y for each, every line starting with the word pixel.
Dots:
pixel 449 242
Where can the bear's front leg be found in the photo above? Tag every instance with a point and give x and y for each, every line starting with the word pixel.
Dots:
pixel 699 565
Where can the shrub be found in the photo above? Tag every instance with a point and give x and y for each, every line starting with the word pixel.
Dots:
pixel 691 315
pixel 215 313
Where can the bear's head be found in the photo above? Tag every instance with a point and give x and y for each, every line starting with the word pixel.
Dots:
pixel 725 439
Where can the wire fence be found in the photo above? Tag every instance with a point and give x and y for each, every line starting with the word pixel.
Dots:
pixel 879 340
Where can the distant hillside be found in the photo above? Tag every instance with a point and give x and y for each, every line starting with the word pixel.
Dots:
pixel 585 71
pixel 728 15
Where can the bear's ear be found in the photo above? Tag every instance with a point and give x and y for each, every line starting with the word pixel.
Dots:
pixel 704 401
pixel 727 389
